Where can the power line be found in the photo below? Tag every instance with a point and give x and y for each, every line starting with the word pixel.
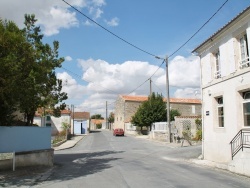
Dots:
pixel 129 43
pixel 141 48
pixel 199 29
pixel 191 36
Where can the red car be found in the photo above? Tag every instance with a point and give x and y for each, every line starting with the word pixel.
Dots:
pixel 119 132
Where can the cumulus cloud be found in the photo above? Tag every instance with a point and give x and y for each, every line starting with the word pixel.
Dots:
pixel 113 22
pixel 52 15
pixel 68 58
pixel 187 93
pixel 106 81
pixel 71 87
pixel 183 72
pixel 117 78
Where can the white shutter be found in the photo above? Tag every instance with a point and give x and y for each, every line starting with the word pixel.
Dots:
pixel 231 55
pixel 223 59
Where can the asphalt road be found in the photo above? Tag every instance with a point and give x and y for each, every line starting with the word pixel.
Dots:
pixel 101 160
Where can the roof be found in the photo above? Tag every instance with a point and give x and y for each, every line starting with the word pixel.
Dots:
pixel 172 100
pixel 97 121
pixel 225 27
pixel 40 111
pixel 81 115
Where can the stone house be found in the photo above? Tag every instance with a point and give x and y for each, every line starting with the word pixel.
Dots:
pixel 225 84
pixel 126 106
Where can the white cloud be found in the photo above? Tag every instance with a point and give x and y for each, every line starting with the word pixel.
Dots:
pixel 71 87
pixel 188 93
pixel 113 22
pixel 52 15
pixel 68 58
pixel 183 72
pixel 106 81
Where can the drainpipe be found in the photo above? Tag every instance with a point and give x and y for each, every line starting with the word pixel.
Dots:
pixel 202 111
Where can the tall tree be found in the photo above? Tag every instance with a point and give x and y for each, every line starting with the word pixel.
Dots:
pixel 31 66
pixel 13 49
pixel 40 85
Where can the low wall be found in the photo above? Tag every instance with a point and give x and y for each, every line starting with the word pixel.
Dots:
pixel 20 139
pixel 31 158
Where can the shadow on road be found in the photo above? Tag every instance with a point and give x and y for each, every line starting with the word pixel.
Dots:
pixel 69 166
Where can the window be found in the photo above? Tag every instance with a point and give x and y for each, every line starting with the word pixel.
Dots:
pixel 244 53
pixel 217 73
pixel 48 118
pixel 246 108
pixel 220 111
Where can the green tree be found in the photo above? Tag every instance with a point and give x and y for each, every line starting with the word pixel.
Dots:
pixel 27 72
pixel 111 118
pixel 97 116
pixel 174 113
pixel 13 50
pixel 137 118
pixel 152 110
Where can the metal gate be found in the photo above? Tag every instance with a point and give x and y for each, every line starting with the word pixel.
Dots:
pixel 80 127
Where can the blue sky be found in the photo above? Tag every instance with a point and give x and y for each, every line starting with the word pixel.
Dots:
pixel 98 66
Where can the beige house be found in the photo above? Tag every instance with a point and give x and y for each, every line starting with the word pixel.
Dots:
pixel 126 106
pixel 225 83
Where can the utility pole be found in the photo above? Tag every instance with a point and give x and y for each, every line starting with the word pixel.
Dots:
pixel 106 114
pixel 168 101
pixel 150 82
pixel 72 110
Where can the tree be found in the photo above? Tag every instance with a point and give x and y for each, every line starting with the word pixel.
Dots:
pixel 27 72
pixel 174 113
pixel 13 50
pixel 111 117
pixel 152 110
pixel 97 116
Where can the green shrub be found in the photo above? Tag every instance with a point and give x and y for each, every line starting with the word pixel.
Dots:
pixel 99 126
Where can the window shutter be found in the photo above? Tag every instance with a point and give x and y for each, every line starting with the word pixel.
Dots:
pixel 231 55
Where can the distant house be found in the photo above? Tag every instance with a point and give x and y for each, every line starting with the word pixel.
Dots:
pixel 95 122
pixel 80 122
pixel 126 106
pixel 225 84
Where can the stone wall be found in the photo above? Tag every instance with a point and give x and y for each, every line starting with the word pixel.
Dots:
pixel 30 158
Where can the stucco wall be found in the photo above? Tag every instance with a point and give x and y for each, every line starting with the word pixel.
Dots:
pixel 230 86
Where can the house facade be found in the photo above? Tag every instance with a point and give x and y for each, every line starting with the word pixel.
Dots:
pixel 225 84
pixel 126 106
pixel 80 123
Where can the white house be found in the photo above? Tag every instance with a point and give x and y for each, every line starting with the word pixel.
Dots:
pixel 225 83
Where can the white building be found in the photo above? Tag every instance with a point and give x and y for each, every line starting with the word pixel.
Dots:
pixel 225 83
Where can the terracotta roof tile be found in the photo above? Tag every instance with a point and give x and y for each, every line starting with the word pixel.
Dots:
pixel 81 115
pixel 172 100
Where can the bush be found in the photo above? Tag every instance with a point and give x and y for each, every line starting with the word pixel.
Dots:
pixel 99 126
pixel 198 135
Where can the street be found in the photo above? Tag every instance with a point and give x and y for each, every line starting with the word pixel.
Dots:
pixel 102 160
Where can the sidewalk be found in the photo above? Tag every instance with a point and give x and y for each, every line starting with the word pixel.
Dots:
pixel 69 143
